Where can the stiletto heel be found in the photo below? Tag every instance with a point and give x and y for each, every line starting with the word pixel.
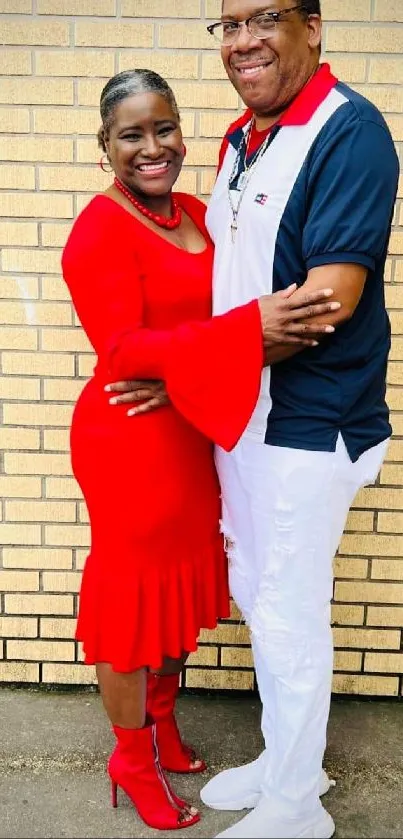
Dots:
pixel 175 756
pixel 114 793
pixel 135 767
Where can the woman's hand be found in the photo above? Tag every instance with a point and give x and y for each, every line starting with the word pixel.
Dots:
pixel 151 393
pixel 284 319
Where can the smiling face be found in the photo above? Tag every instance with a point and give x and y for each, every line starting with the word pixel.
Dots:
pixel 269 73
pixel 145 145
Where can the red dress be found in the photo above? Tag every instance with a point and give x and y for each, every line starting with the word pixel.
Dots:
pixel 156 572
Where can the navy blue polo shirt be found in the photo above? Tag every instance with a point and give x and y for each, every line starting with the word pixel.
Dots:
pixel 322 193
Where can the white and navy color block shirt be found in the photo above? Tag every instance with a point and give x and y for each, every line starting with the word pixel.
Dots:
pixel 322 193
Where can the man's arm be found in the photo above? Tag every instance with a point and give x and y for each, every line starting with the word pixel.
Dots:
pixel 346 280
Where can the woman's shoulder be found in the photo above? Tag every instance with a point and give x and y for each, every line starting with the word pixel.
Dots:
pixel 96 223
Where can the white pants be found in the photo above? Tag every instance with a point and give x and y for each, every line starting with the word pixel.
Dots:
pixel 284 512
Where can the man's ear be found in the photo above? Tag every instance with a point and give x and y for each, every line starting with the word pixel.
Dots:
pixel 314 24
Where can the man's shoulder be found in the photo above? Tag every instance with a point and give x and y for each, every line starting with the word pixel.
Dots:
pixel 359 108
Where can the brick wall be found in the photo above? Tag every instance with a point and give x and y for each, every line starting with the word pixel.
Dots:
pixel 56 58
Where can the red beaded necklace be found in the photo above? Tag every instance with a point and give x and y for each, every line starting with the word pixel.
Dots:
pixel 162 221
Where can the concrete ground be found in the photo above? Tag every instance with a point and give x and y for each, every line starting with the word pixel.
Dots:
pixel 54 745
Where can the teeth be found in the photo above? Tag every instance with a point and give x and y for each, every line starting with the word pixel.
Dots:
pixel 153 167
pixel 248 71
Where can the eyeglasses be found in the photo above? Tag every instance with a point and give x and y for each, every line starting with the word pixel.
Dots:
pixel 259 26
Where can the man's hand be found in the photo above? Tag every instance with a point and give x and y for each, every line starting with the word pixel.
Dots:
pixel 284 319
pixel 151 393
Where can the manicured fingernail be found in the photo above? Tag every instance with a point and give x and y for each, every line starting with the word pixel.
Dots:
pixel 113 401
pixel 132 412
pixel 315 344
pixel 328 292
pixel 329 329
pixel 107 387
pixel 334 306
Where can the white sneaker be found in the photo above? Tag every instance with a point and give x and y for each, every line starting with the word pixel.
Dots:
pixel 240 788
pixel 261 823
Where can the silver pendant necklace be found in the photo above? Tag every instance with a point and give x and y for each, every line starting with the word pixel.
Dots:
pixel 245 176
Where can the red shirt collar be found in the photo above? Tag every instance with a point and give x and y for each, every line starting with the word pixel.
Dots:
pixel 304 105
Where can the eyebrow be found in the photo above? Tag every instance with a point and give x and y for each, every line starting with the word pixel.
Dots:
pixel 270 8
pixel 131 126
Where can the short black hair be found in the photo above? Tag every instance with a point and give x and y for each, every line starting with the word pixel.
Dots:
pixel 311 7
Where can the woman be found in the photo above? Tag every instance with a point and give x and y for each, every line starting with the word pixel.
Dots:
pixel 138 266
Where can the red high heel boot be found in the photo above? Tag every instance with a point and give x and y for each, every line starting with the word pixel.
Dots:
pixel 135 767
pixel 175 756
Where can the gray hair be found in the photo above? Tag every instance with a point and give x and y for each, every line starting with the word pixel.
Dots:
pixel 129 83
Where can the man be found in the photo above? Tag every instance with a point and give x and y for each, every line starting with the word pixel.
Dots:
pixel 305 193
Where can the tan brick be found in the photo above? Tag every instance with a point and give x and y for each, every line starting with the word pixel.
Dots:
pixel 16 63
pixel 66 340
pixel 20 487
pixel 215 124
pixel 212 66
pixel 81 556
pixel 55 149
pixel 83 200
pixel 351 568
pixel 184 36
pixel 205 95
pixel 31 415
pixel 80 178
pixel 41 650
pixel 204 656
pixel 35 205
pixel 220 679
pixel 159 8
pixel 19 438
pixel 347 615
pixel 226 633
pixel 170 65
pixel 41 261
pixel 387 569
pixel 19 6
pixel 396 239
pixel 19 287
pixel 89 94
pixel 344 660
pixel 38 364
pixel 386 71
pixel 74 63
pixel 87 150
pixel 16 177
pixel 383 662
pixel 73 674
pixel 391 10
pixel 349 69
pixel 59 534
pixel 83 513
pixel 62 390
pixel 372 545
pixel 96 34
pixel 13 534
pixel 17 233
pixel 391 474
pixel 338 10
pixel 18 580
pixel 66 120
pixel 40 558
pixel 359 521
pixel 56 439
pixel 86 365
pixel 76 7
pixel 14 338
pixel 40 511
pixel 394 296
pixel 213 9
pixel 23 672
pixel 39 313
pixel 55 235
pixel 32 91
pixel 57 627
pixel 365 685
pixel 202 153
pixel 54 288
pixel 395 373
pixel 62 488
pixel 186 182
pixel 35 32
pixel 39 604
pixel 34 464
pixel 385 616
pixel 366 638
pixel 369 592
pixel 14 121
pixel 386 98
pixel 236 657
pixel 68 581
pixel 208 177
pixel 394 396
pixel 397 423
pixel 13 388
pixel 18 627
pixel 361 39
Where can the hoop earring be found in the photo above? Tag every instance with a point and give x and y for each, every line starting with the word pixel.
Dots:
pixel 104 163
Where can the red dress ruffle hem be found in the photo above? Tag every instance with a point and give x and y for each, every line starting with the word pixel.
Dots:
pixel 156 572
